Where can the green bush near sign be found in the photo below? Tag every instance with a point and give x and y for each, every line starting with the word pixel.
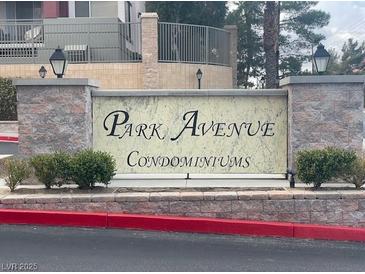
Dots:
pixel 318 166
pixel 356 174
pixel 90 167
pixel 85 168
pixel 15 171
pixel 52 169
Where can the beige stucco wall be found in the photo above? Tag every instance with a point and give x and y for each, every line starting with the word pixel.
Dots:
pixel 130 75
pixel 110 75
pixel 179 75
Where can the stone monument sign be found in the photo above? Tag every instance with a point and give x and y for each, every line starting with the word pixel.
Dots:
pixel 207 134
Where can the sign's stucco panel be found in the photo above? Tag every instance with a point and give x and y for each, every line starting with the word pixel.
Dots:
pixel 189 134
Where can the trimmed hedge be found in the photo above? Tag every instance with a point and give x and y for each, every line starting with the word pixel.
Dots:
pixel 52 169
pixel 85 168
pixel 89 167
pixel 318 166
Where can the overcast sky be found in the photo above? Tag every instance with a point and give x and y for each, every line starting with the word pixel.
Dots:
pixel 347 20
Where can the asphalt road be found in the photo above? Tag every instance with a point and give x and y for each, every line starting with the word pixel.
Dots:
pixel 8 148
pixel 79 249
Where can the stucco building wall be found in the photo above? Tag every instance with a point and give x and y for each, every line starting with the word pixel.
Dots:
pixel 130 75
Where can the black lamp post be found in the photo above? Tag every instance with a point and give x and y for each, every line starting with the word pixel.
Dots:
pixel 199 76
pixel 262 82
pixel 321 58
pixel 58 62
pixel 42 72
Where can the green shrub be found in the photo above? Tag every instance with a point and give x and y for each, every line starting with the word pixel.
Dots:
pixel 85 168
pixel 45 169
pixel 356 174
pixel 15 172
pixel 62 163
pixel 320 165
pixel 52 169
pixel 7 101
pixel 90 167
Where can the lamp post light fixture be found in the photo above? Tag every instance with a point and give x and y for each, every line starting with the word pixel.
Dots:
pixel 199 76
pixel 321 58
pixel 42 72
pixel 262 82
pixel 58 62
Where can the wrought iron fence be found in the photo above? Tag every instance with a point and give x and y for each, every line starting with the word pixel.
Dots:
pixel 193 44
pixel 34 42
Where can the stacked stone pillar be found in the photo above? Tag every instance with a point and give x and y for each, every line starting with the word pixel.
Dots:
pixel 324 111
pixel 54 114
pixel 149 25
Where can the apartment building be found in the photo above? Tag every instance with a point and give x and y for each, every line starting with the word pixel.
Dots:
pixel 113 42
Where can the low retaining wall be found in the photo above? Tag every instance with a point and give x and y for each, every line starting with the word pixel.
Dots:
pixel 311 207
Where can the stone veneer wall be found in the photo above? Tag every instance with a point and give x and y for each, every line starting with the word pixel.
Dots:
pixel 327 207
pixel 324 111
pixel 54 115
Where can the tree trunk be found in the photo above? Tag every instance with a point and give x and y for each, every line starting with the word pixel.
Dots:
pixel 271 43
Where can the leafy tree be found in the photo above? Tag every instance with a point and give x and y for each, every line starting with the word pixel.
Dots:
pixel 351 61
pixel 334 64
pixel 248 17
pixel 298 25
pixel 353 54
pixel 208 13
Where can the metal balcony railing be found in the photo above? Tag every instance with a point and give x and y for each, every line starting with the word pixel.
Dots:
pixel 34 42
pixel 193 44
pixel 109 41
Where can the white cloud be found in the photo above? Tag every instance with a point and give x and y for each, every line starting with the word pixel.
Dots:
pixel 347 21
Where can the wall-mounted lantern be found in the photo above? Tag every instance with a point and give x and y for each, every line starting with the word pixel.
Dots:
pixel 321 58
pixel 199 76
pixel 42 72
pixel 58 62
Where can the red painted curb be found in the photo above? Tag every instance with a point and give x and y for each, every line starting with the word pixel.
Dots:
pixel 180 224
pixel 57 218
pixel 9 139
pixel 199 225
pixel 322 232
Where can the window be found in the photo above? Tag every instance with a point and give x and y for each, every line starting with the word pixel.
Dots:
pixel 82 8
pixel 22 10
pixel 63 5
pixel 128 19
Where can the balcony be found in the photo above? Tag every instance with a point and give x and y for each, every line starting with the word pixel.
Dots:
pixel 147 54
pixel 84 40
pixel 109 40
